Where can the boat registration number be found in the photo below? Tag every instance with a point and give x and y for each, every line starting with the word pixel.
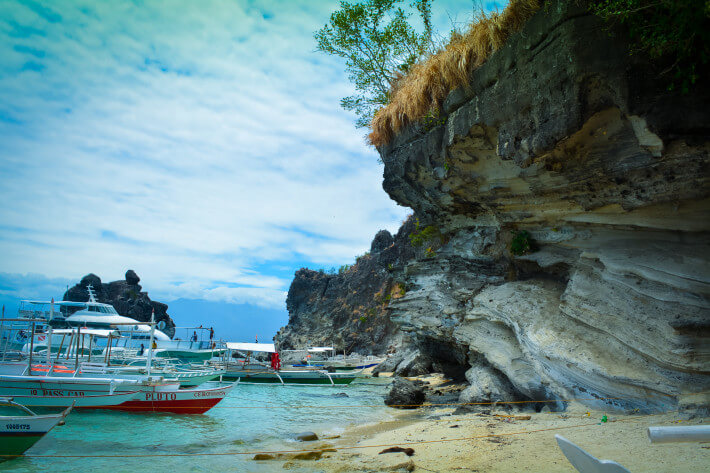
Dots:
pixel 58 393
pixel 209 394
pixel 17 426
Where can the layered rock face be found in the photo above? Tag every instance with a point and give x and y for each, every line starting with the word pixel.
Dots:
pixel 125 296
pixel 564 136
pixel 348 310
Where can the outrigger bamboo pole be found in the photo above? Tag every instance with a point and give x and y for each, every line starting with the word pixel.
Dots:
pixel 2 323
pixel 61 344
pixel 107 354
pixel 69 345
pixel 76 355
pixel 32 346
pixel 49 335
pixel 149 360
pixel 683 433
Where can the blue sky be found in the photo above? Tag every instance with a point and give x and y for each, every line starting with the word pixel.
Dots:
pixel 199 143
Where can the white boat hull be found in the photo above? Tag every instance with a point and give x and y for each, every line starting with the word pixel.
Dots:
pixel 48 391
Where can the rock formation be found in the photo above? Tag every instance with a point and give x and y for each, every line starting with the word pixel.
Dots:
pixel 125 296
pixel 563 144
pixel 563 216
pixel 348 309
pixel 405 394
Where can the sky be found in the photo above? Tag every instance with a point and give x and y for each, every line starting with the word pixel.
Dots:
pixel 200 144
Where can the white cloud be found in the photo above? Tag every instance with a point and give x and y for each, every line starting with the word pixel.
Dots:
pixel 190 141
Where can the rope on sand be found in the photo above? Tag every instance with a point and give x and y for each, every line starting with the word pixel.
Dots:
pixel 351 447
pixel 446 404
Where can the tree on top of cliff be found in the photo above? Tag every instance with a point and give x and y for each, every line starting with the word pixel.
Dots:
pixel 376 51
pixel 422 91
pixel 665 29
pixel 673 34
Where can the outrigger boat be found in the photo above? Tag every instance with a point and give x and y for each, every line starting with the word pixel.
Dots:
pixel 58 387
pixel 248 371
pixel 115 394
pixel 168 398
pixel 96 315
pixel 325 357
pixel 20 428
pixel 133 367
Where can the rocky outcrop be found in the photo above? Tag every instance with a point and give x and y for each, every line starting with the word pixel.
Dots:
pixel 347 309
pixel 565 148
pixel 405 394
pixel 125 296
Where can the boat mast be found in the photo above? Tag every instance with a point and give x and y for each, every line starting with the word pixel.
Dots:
pixel 49 333
pixel 149 359
pixel 32 345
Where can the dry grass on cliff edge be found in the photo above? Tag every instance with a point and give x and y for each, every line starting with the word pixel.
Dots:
pixel 423 90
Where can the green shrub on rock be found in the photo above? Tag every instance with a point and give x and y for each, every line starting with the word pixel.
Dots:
pixel 522 244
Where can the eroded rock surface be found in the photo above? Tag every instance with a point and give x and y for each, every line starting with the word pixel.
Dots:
pixel 563 135
pixel 348 309
pixel 563 215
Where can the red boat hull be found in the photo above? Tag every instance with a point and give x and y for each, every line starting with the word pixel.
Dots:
pixel 189 406
pixel 180 401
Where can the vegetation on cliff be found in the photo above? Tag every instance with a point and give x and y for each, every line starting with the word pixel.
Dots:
pixel 678 32
pixel 402 78
pixel 422 91
pixel 376 52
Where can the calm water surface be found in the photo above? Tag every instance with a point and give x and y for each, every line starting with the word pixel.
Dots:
pixel 223 429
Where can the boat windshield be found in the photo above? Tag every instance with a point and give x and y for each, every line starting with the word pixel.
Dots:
pixel 102 309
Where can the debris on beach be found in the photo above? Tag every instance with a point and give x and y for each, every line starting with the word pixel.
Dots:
pixel 407 451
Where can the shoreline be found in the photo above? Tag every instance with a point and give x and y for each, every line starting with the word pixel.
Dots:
pixel 505 441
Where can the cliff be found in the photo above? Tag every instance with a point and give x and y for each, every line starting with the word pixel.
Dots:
pixel 562 231
pixel 125 296
pixel 566 197
pixel 348 309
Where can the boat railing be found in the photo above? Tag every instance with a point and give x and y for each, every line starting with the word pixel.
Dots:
pixel 34 314
pixel 93 367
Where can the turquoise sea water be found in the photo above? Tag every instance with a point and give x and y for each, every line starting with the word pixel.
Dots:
pixel 226 428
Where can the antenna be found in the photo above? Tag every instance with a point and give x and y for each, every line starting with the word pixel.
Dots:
pixel 90 290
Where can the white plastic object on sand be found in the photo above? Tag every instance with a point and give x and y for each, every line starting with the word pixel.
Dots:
pixel 584 462
pixel 683 433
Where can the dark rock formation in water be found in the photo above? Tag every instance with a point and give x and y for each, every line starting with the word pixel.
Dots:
pixel 405 394
pixel 566 145
pixel 125 296
pixel 348 309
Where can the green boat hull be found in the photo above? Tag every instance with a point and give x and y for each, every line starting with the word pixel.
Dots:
pixel 16 444
pixel 191 356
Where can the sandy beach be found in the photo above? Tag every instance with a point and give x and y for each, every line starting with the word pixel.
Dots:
pixel 498 440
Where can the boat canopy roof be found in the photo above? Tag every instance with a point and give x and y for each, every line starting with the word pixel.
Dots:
pixel 88 331
pixel 265 347
pixel 131 324
pixel 64 303
pixel 320 349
